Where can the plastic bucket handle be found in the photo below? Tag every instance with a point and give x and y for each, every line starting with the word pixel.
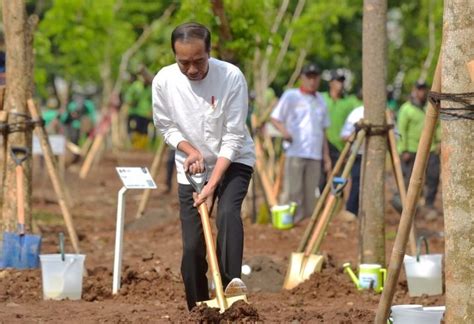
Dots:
pixel 418 247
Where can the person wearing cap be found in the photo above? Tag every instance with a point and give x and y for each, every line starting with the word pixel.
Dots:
pixel 301 117
pixel 410 122
pixel 200 105
pixel 339 106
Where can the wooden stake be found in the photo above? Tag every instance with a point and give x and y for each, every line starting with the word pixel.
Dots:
pixel 470 68
pixel 279 177
pixel 155 167
pixel 96 145
pixel 322 198
pixel 101 131
pixel 414 189
pixel 2 96
pixel 58 184
pixel 264 179
pixel 397 171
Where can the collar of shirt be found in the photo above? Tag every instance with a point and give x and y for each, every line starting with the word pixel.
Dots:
pixel 311 93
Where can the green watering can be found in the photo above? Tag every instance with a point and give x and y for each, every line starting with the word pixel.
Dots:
pixel 371 276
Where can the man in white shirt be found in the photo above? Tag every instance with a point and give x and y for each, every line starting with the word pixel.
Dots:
pixel 301 117
pixel 200 105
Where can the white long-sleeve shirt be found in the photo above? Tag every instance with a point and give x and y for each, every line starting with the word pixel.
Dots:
pixel 210 114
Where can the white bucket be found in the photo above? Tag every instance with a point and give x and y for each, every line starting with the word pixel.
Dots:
pixel 62 279
pixel 424 276
pixel 415 314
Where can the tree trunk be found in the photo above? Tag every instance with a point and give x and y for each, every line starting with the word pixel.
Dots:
pixel 225 35
pixel 457 151
pixel 18 87
pixel 372 209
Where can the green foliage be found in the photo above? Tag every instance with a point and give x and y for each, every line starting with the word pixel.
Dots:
pixel 77 38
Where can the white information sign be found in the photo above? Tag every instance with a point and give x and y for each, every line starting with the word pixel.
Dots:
pixel 57 142
pixel 136 178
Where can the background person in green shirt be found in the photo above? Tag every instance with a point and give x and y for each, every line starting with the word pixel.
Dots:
pixel 138 99
pixel 410 124
pixel 76 111
pixel 339 107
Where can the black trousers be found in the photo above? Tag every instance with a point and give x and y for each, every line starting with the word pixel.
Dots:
pixel 230 233
pixel 352 203
pixel 334 156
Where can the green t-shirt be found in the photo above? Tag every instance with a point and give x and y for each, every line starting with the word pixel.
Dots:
pixel 138 98
pixel 73 114
pixel 338 111
pixel 49 115
pixel 410 122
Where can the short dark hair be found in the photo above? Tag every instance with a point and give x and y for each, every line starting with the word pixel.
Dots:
pixel 191 30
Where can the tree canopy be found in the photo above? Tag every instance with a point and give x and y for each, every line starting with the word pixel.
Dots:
pixel 84 40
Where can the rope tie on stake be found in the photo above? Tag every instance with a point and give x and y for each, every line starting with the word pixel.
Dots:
pixel 465 112
pixel 26 125
pixel 373 129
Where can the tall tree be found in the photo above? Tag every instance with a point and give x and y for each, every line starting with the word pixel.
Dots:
pixel 374 62
pixel 456 153
pixel 18 71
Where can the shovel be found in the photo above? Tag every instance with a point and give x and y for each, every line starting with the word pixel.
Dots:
pixel 236 289
pixel 303 265
pixel 20 250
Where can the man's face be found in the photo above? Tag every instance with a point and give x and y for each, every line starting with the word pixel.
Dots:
pixel 192 58
pixel 421 95
pixel 337 86
pixel 310 82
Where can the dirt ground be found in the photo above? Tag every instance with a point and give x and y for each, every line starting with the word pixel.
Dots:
pixel 152 290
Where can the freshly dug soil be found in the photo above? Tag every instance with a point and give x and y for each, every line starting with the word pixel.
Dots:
pixel 151 286
pixel 240 312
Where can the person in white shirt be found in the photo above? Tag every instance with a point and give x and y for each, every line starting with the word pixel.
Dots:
pixel 200 105
pixel 301 117
pixel 352 204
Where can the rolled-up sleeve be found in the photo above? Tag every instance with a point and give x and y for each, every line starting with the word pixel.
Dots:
pixel 235 115
pixel 162 116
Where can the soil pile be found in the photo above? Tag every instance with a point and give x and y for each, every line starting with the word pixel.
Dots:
pixel 239 312
pixel 20 286
pixel 150 280
pixel 265 275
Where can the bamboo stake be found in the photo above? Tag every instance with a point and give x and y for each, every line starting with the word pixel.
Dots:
pixel 279 176
pixel 58 184
pixel 155 167
pixel 470 68
pixel 264 179
pixel 2 96
pixel 322 198
pixel 408 212
pixel 397 171
pixel 96 145
pixel 97 142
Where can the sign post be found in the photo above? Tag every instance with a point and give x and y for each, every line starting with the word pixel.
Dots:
pixel 132 178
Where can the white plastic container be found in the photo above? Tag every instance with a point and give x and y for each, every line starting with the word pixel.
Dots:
pixel 415 314
pixel 436 309
pixel 424 276
pixel 62 279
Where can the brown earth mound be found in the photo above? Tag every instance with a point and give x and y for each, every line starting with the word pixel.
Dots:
pixel 239 312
